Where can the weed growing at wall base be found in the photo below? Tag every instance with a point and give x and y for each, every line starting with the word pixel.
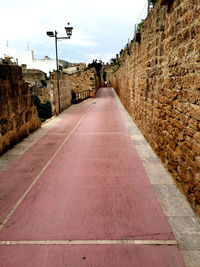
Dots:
pixel 44 110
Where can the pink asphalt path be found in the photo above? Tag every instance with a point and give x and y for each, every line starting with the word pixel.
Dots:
pixel 91 185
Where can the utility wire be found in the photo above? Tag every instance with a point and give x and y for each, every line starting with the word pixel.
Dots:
pixel 145 6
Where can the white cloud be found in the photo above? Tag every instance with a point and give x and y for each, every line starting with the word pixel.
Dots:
pixel 99 29
pixel 104 57
pixel 82 39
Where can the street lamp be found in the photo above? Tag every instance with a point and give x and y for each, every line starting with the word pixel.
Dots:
pixel 55 35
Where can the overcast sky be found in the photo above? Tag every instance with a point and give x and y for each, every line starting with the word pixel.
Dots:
pixel 101 28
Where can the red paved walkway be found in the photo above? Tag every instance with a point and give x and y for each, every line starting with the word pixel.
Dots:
pixel 83 181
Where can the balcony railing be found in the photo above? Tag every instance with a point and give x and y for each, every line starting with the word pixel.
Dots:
pixel 80 96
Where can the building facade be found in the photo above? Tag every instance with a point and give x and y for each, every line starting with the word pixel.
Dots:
pixel 46 65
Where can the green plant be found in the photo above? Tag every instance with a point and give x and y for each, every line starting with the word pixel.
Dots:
pixel 115 61
pixel 139 26
pixel 43 82
pixel 97 67
pixel 44 109
pixel 152 2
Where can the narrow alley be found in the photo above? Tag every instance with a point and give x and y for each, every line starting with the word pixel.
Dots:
pixel 87 190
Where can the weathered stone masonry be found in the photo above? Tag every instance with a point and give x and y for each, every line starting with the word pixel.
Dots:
pixel 158 82
pixel 18 115
pixel 37 83
pixel 80 81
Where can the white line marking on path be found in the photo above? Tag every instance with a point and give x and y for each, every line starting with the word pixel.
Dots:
pixel 91 242
pixel 41 172
pixel 123 133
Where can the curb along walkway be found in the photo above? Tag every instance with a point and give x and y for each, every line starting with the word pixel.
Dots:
pixel 80 196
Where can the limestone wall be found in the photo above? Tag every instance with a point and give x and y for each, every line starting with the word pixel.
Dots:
pixel 37 81
pixel 83 80
pixel 18 115
pixel 158 82
pixel 80 81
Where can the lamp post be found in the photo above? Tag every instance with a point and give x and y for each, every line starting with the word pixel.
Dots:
pixel 55 35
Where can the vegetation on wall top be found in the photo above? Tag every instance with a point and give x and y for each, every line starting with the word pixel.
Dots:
pixel 115 61
pixel 139 26
pixel 153 2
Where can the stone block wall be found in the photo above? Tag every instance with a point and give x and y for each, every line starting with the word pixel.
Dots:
pixel 158 82
pixel 37 81
pixel 64 92
pixel 83 80
pixel 18 115
pixel 80 81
